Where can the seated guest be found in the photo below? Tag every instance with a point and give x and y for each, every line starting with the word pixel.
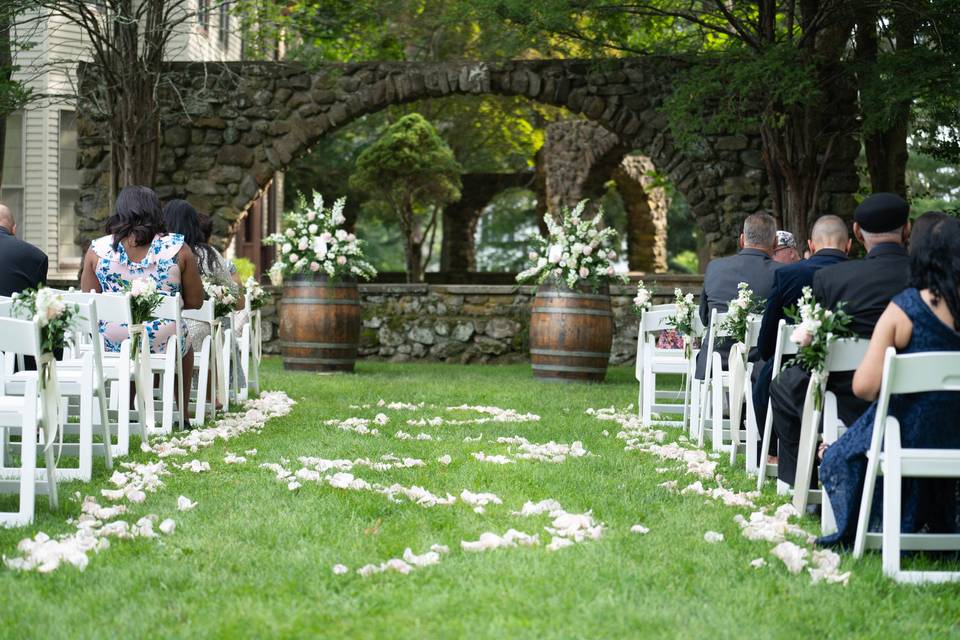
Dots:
pixel 786 251
pixel 180 217
pixel 925 317
pixel 751 265
pixel 881 224
pixel 829 244
pixel 22 265
pixel 138 246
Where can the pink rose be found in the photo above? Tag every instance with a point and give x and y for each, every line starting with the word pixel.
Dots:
pixel 314 266
pixel 801 337
pixel 341 260
pixel 584 272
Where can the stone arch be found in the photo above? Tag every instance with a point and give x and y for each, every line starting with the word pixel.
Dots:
pixel 228 127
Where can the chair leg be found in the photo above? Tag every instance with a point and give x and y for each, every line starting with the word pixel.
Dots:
pixel 105 426
pixel 765 449
pixel 28 465
pixel 892 487
pixel 51 461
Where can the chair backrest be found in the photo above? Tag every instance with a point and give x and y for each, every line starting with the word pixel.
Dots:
pixel 716 319
pixel 20 337
pixel 170 308
pixel 753 331
pixel 785 346
pixel 5 307
pixel 204 314
pixel 657 317
pixel 113 307
pixel 920 372
pixel 845 354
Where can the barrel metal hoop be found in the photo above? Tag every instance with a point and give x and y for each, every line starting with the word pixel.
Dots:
pixel 567 369
pixel 318 360
pixel 316 345
pixel 573 354
pixel 330 301
pixel 564 294
pixel 573 311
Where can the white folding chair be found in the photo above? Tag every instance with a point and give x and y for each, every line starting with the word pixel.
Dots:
pixel 24 415
pixel 785 347
pixel 652 362
pixel 702 408
pixel 740 393
pixel 251 352
pixel 844 354
pixel 205 363
pixel 79 378
pixel 169 366
pixel 118 370
pixel 902 374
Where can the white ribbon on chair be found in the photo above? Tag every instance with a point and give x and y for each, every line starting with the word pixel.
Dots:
pixel 737 363
pixel 51 418
pixel 143 378
pixel 218 384
pixel 256 352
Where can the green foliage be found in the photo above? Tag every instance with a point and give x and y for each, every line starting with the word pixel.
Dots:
pixel 506 230
pixel 933 184
pixel 410 167
pixel 245 268
pixel 723 96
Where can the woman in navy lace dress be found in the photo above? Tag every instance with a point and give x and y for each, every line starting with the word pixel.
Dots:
pixel 925 317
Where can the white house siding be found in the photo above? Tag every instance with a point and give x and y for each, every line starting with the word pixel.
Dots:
pixel 59 45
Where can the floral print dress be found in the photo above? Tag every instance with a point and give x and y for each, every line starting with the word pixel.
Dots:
pixel 115 271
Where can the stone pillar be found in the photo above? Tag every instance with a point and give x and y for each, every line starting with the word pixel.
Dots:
pixel 579 156
pixel 647 206
pixel 458 253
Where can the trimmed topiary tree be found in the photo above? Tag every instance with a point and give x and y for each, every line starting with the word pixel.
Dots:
pixel 412 171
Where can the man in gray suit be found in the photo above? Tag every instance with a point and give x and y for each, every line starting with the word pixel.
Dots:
pixel 751 265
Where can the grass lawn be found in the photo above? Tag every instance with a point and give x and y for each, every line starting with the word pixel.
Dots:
pixel 254 559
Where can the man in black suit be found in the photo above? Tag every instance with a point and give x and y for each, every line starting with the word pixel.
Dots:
pixel 829 244
pixel 881 224
pixel 22 265
pixel 751 265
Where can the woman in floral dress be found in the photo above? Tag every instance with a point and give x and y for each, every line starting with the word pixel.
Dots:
pixel 137 246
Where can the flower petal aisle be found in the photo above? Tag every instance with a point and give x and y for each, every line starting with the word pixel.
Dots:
pixel 98 523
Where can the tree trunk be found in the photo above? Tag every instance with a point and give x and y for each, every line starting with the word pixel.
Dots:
pixel 414 260
pixel 886 151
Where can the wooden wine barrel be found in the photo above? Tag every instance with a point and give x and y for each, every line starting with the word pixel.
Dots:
pixel 319 324
pixel 570 333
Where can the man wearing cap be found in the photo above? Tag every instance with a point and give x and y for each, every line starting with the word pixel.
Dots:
pixel 881 224
pixel 829 244
pixel 786 250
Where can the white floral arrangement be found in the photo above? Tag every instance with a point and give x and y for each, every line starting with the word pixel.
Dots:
pixel 816 329
pixel 575 250
pixel 144 299
pixel 313 242
pixel 50 311
pixel 643 301
pixel 254 293
pixel 682 319
pixel 739 311
pixel 223 294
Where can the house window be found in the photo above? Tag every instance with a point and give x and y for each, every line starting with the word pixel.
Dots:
pixel 203 15
pixel 11 186
pixel 69 252
pixel 224 30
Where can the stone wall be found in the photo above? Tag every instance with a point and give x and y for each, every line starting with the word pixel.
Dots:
pixel 468 323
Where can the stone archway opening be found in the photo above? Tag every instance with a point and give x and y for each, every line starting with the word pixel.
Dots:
pixel 229 127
